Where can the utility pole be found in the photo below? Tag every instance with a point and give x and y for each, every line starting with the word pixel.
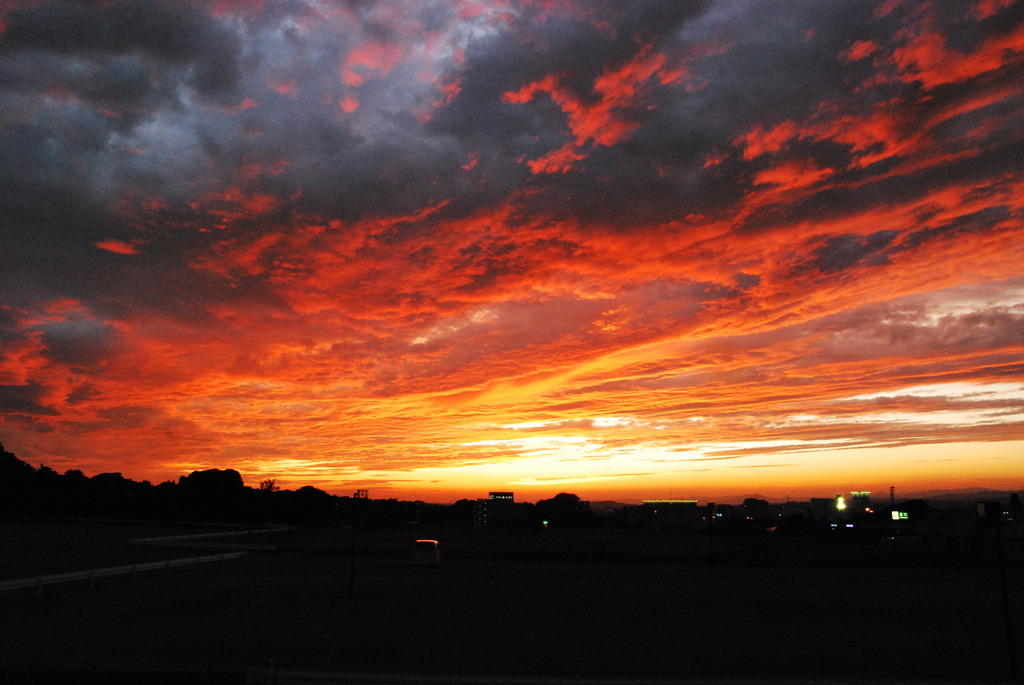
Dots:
pixel 991 513
pixel 711 538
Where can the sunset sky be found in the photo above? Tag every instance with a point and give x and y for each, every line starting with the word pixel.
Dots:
pixel 435 248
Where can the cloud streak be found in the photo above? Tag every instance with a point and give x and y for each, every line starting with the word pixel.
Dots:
pixel 380 242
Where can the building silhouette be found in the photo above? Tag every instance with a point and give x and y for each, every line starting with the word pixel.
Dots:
pixel 497 509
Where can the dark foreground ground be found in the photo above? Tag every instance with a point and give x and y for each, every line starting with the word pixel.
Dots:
pixel 550 605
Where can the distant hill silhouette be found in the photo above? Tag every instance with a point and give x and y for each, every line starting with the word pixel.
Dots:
pixel 962 495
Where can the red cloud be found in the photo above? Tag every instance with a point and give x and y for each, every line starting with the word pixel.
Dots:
pixel 859 50
pixel 236 203
pixel 118 246
pixel 926 57
pixel 604 121
pixel 367 57
pixel 792 174
pixel 983 9
pixel 757 141
pixel 556 161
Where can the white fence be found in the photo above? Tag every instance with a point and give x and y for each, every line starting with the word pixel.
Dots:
pixel 211 540
pixel 92 575
pixel 168 539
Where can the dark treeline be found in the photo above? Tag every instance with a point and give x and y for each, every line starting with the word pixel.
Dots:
pixel 220 496
pixel 214 495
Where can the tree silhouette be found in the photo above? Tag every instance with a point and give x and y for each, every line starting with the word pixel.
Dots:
pixel 564 509
pixel 219 481
pixel 110 495
pixel 16 484
pixel 213 495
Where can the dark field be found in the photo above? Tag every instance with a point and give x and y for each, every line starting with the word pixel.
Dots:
pixel 546 604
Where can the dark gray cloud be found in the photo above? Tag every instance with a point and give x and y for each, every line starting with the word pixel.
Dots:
pixel 82 345
pixel 844 251
pixel 77 82
pixel 168 33
pixel 918 329
pixel 933 227
pixel 82 393
pixel 25 399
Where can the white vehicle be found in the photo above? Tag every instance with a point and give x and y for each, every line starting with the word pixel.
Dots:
pixel 426 552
